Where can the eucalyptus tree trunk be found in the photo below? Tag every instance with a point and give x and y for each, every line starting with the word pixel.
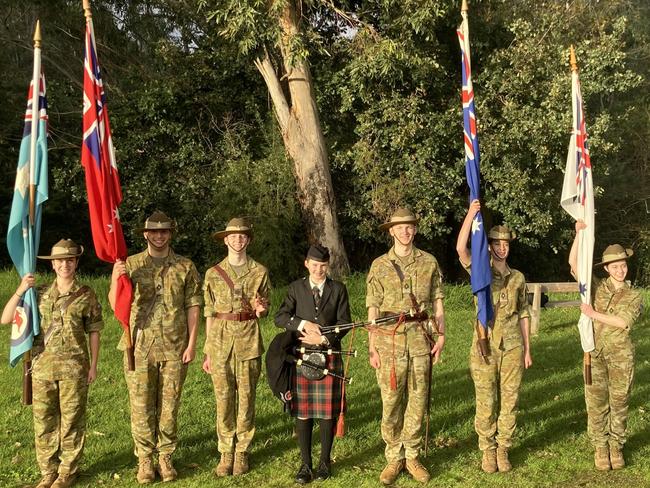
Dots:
pixel 302 133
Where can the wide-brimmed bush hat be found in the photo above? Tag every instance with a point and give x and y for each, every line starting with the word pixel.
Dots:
pixel 65 248
pixel 400 216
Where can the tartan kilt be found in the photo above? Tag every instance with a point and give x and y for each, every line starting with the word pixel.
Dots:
pixel 318 399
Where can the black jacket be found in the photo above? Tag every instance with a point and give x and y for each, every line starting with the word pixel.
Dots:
pixel 299 305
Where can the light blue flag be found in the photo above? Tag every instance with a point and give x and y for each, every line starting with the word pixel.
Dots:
pixel 22 235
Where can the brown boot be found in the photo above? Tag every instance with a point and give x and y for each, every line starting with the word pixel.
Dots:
pixel 65 480
pixel 489 461
pixel 241 464
pixel 224 468
pixel 616 458
pixel 47 480
pixel 503 463
pixel 166 468
pixel 391 472
pixel 601 459
pixel 146 474
pixel 419 472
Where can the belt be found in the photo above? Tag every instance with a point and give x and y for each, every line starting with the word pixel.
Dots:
pixel 237 317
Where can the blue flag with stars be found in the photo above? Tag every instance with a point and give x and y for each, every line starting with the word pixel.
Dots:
pixel 23 233
pixel 481 275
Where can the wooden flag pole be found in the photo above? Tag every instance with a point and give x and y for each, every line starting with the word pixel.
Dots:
pixel 36 88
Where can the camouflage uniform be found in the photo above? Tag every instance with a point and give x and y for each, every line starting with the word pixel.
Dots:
pixel 497 384
pixel 235 349
pixel 612 365
pixel 404 409
pixel 162 294
pixel 60 377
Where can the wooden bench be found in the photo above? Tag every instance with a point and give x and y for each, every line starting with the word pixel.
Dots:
pixel 536 289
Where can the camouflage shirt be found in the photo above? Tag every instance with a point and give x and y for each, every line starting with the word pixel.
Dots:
pixel 388 293
pixel 65 355
pixel 224 335
pixel 162 293
pixel 625 303
pixel 510 306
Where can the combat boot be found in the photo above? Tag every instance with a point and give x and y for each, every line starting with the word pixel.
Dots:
pixel 146 474
pixel 489 461
pixel 503 463
pixel 391 472
pixel 47 480
pixel 224 468
pixel 240 465
pixel 166 468
pixel 616 458
pixel 601 459
pixel 65 480
pixel 419 472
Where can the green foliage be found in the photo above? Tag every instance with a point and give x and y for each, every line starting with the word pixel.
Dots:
pixel 195 133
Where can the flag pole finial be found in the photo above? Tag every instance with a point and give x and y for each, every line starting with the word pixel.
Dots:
pixel 572 59
pixel 87 12
pixel 37 34
pixel 464 7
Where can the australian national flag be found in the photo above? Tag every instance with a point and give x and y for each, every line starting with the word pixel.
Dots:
pixel 23 234
pixel 578 201
pixel 102 179
pixel 481 276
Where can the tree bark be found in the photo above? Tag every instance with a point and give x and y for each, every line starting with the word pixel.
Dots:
pixel 303 138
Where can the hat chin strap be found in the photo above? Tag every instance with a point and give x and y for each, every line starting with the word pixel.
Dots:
pixel 157 248
pixel 243 249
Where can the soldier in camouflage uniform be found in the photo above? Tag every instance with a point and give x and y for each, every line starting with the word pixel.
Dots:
pixel 497 377
pixel 236 294
pixel 616 306
pixel 164 323
pixel 62 368
pixel 402 360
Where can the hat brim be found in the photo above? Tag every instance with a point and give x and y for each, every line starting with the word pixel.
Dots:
pixel 223 233
pixel 388 225
pixel 628 254
pixel 62 256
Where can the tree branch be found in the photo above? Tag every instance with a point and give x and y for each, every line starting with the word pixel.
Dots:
pixel 265 67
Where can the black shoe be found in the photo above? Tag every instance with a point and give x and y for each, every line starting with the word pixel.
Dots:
pixel 323 472
pixel 304 475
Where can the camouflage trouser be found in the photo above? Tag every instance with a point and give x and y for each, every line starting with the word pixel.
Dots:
pixel 497 393
pixel 608 396
pixel 403 409
pixel 155 395
pixel 59 409
pixel 235 384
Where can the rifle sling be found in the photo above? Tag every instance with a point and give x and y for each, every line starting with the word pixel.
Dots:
pixel 224 276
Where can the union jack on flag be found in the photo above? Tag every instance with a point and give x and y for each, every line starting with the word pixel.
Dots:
pixel 481 275
pixel 578 201
pixel 102 179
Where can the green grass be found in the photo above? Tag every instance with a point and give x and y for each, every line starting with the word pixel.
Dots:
pixel 551 447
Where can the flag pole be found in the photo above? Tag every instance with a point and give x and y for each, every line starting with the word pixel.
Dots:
pixel 36 116
pixel 36 113
pixel 586 357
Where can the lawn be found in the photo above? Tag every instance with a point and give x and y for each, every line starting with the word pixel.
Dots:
pixel 551 447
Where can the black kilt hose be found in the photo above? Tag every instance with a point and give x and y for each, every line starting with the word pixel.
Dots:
pixel 316 399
